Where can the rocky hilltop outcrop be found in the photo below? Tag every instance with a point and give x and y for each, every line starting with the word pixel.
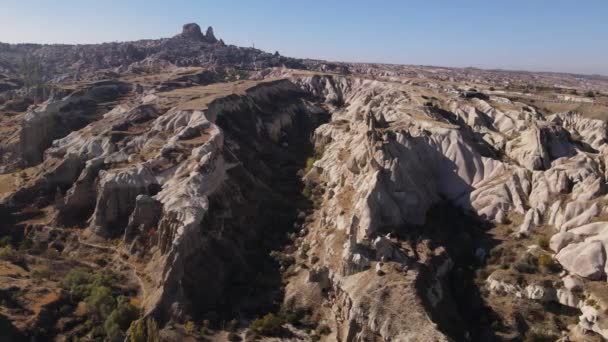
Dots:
pixel 193 31
pixel 191 47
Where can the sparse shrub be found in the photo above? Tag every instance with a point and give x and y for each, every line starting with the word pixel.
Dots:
pixel 495 256
pixel 98 332
pixel 545 260
pixel 152 331
pixel 77 282
pixel 543 242
pixel 122 316
pixel 5 241
pixel 590 94
pixel 309 164
pixel 548 263
pixel 232 325
pixel 283 259
pixel 307 193
pixel 7 253
pixel 527 264
pixel 26 244
pixel 538 336
pixel 42 272
pixel 292 313
pixel 269 325
pixel 204 331
pixel 144 331
pixel 101 302
pixel 113 332
pixel 189 327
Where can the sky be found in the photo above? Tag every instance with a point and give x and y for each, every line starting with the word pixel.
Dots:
pixel 538 35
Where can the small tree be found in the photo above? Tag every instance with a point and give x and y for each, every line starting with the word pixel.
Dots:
pixel 144 330
pixel 543 242
pixel 100 301
pixel 189 327
pixel 269 325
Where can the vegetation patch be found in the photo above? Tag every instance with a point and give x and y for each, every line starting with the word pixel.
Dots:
pixel 110 313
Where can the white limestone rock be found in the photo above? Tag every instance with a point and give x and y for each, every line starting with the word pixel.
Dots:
pixel 584 259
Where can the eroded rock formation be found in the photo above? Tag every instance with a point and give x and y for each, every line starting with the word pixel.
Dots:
pixel 395 208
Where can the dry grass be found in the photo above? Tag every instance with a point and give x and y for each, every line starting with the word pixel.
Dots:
pixel 9 182
pixel 162 76
pixel 11 270
pixel 345 197
pixel 199 97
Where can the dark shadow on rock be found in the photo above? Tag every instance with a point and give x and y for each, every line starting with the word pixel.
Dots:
pixel 233 276
pixel 462 313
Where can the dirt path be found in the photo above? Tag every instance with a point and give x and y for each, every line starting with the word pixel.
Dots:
pixel 117 257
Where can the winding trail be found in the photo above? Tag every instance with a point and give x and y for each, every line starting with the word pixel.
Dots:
pixel 117 257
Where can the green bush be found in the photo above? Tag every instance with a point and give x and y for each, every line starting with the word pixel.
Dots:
pixel 137 331
pixel 101 302
pixel 77 282
pixel 307 193
pixel 26 244
pixel 5 241
pixel 113 332
pixel 545 260
pixel 543 242
pixel 123 315
pixel 144 330
pixel 189 327
pixel 269 325
pixel 309 164
pixel 292 313
pixel 103 278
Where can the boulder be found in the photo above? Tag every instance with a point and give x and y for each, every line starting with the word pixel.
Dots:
pixel 586 259
pixel 562 239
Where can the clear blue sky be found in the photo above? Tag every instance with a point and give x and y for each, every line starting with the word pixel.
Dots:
pixel 552 35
